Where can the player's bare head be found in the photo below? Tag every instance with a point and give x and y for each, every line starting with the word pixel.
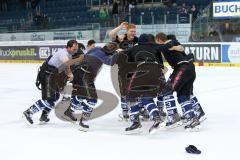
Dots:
pixel 72 46
pixel 81 46
pixel 151 38
pixel 171 37
pixel 131 31
pixel 161 38
pixel 91 43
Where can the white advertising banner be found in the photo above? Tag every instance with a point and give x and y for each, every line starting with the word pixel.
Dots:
pixel 35 50
pixel 226 9
pixel 57 35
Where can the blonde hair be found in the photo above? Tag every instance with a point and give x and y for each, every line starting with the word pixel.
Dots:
pixel 131 26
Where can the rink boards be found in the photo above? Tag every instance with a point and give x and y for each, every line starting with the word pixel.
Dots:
pixel 206 54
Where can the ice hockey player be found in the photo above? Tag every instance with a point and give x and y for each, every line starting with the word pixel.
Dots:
pixel 142 91
pixel 53 74
pixel 84 96
pixel 181 80
pixel 125 41
pixel 90 45
pixel 81 49
pixel 196 105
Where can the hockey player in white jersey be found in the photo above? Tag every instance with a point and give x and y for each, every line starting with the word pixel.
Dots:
pixel 51 78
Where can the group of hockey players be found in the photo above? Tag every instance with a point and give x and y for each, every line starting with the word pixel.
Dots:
pixel 141 80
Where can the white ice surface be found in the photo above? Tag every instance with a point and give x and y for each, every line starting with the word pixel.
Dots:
pixel 218 90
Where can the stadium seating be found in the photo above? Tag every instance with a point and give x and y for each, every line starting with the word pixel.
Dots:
pixel 68 13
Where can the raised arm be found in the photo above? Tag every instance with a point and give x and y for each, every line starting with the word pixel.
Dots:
pixel 113 33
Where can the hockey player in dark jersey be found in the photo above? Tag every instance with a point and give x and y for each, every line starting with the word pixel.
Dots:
pixel 141 91
pixel 195 103
pixel 125 41
pixel 84 96
pixel 129 36
pixel 181 80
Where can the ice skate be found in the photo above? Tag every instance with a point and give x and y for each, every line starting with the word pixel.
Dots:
pixel 135 128
pixel 44 117
pixel 193 125
pixel 28 116
pixel 69 114
pixel 83 127
pixel 173 121
pixel 201 115
pixel 155 126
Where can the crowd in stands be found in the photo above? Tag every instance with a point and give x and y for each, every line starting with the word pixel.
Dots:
pixel 45 14
pixel 134 9
pixel 3 5
pixel 108 13
pixel 225 32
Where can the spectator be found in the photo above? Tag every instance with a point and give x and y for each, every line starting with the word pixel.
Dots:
pixel 213 37
pixel 115 12
pixel 28 4
pixel 45 21
pixel 202 37
pixel 194 12
pixel 103 13
pixel 183 9
pixel 173 2
pixel 131 8
pixel 4 5
pixel 37 19
pixel 40 21
pixel 183 14
pixel 227 33
pixel 193 37
pixel 115 8
pixel 167 3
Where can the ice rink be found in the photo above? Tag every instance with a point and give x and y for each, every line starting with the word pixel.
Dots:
pixel 217 88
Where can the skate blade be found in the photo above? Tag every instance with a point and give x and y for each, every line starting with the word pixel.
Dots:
pixel 83 129
pixel 26 121
pixel 175 125
pixel 42 123
pixel 195 129
pixel 153 130
pixel 202 119
pixel 134 132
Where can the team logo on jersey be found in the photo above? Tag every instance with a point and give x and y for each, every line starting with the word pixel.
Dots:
pixel 44 52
